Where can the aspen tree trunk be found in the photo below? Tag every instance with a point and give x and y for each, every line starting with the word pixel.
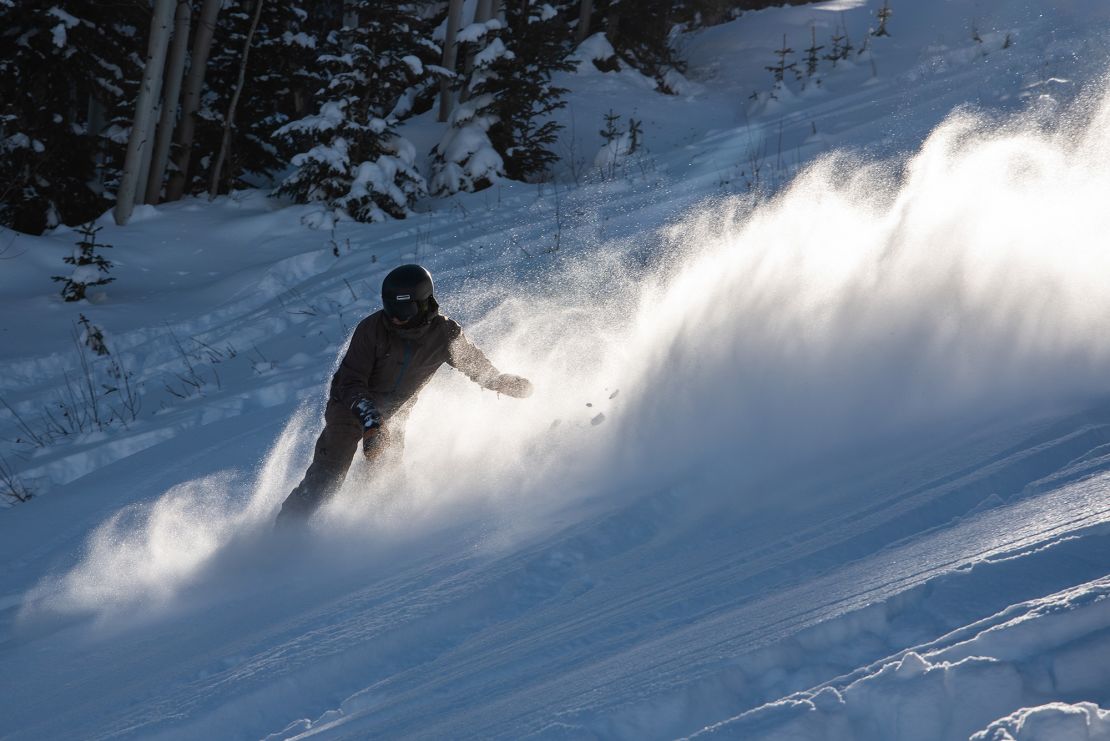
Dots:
pixel 190 102
pixel 585 11
pixel 148 148
pixel 350 20
pixel 482 13
pixel 450 52
pixel 229 120
pixel 171 91
pixel 138 145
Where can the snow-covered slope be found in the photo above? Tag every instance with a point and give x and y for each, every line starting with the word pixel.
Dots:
pixel 827 464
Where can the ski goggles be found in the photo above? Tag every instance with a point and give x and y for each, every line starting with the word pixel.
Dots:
pixel 404 308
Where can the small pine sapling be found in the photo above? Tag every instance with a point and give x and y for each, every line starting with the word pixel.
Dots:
pixel 88 265
pixel 779 70
pixel 847 49
pixel 635 135
pixel 883 15
pixel 837 51
pixel 619 143
pixel 93 336
pixel 812 56
pixel 610 132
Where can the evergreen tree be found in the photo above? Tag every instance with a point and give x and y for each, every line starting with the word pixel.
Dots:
pixel 779 70
pixel 813 53
pixel 612 131
pixel 504 125
pixel 837 52
pixel 60 66
pixel 464 159
pixel 525 94
pixel 89 268
pixel 350 156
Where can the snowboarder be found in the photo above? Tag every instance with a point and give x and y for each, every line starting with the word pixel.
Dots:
pixel 392 355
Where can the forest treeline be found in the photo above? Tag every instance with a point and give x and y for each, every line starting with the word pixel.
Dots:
pixel 106 104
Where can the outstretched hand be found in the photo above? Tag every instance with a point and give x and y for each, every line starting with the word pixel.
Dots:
pixel 510 385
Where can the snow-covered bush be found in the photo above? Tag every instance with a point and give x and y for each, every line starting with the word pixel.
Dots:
pixel 597 52
pixel 464 159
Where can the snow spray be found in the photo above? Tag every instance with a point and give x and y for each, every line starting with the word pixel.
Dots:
pixel 870 303
pixel 138 562
pixel 872 300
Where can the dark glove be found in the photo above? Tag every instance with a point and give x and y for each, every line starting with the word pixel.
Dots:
pixel 510 385
pixel 373 442
pixel 371 420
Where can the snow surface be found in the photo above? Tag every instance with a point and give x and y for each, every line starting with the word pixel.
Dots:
pixel 820 444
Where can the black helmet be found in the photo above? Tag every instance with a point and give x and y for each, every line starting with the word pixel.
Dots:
pixel 407 293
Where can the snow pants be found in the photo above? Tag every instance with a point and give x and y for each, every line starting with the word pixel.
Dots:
pixel 331 459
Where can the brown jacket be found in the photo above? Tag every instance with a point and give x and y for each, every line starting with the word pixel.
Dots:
pixel 389 366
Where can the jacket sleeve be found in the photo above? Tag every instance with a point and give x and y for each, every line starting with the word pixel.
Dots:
pixel 350 384
pixel 464 356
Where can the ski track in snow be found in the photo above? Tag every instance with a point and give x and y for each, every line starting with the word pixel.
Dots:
pixel 729 613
